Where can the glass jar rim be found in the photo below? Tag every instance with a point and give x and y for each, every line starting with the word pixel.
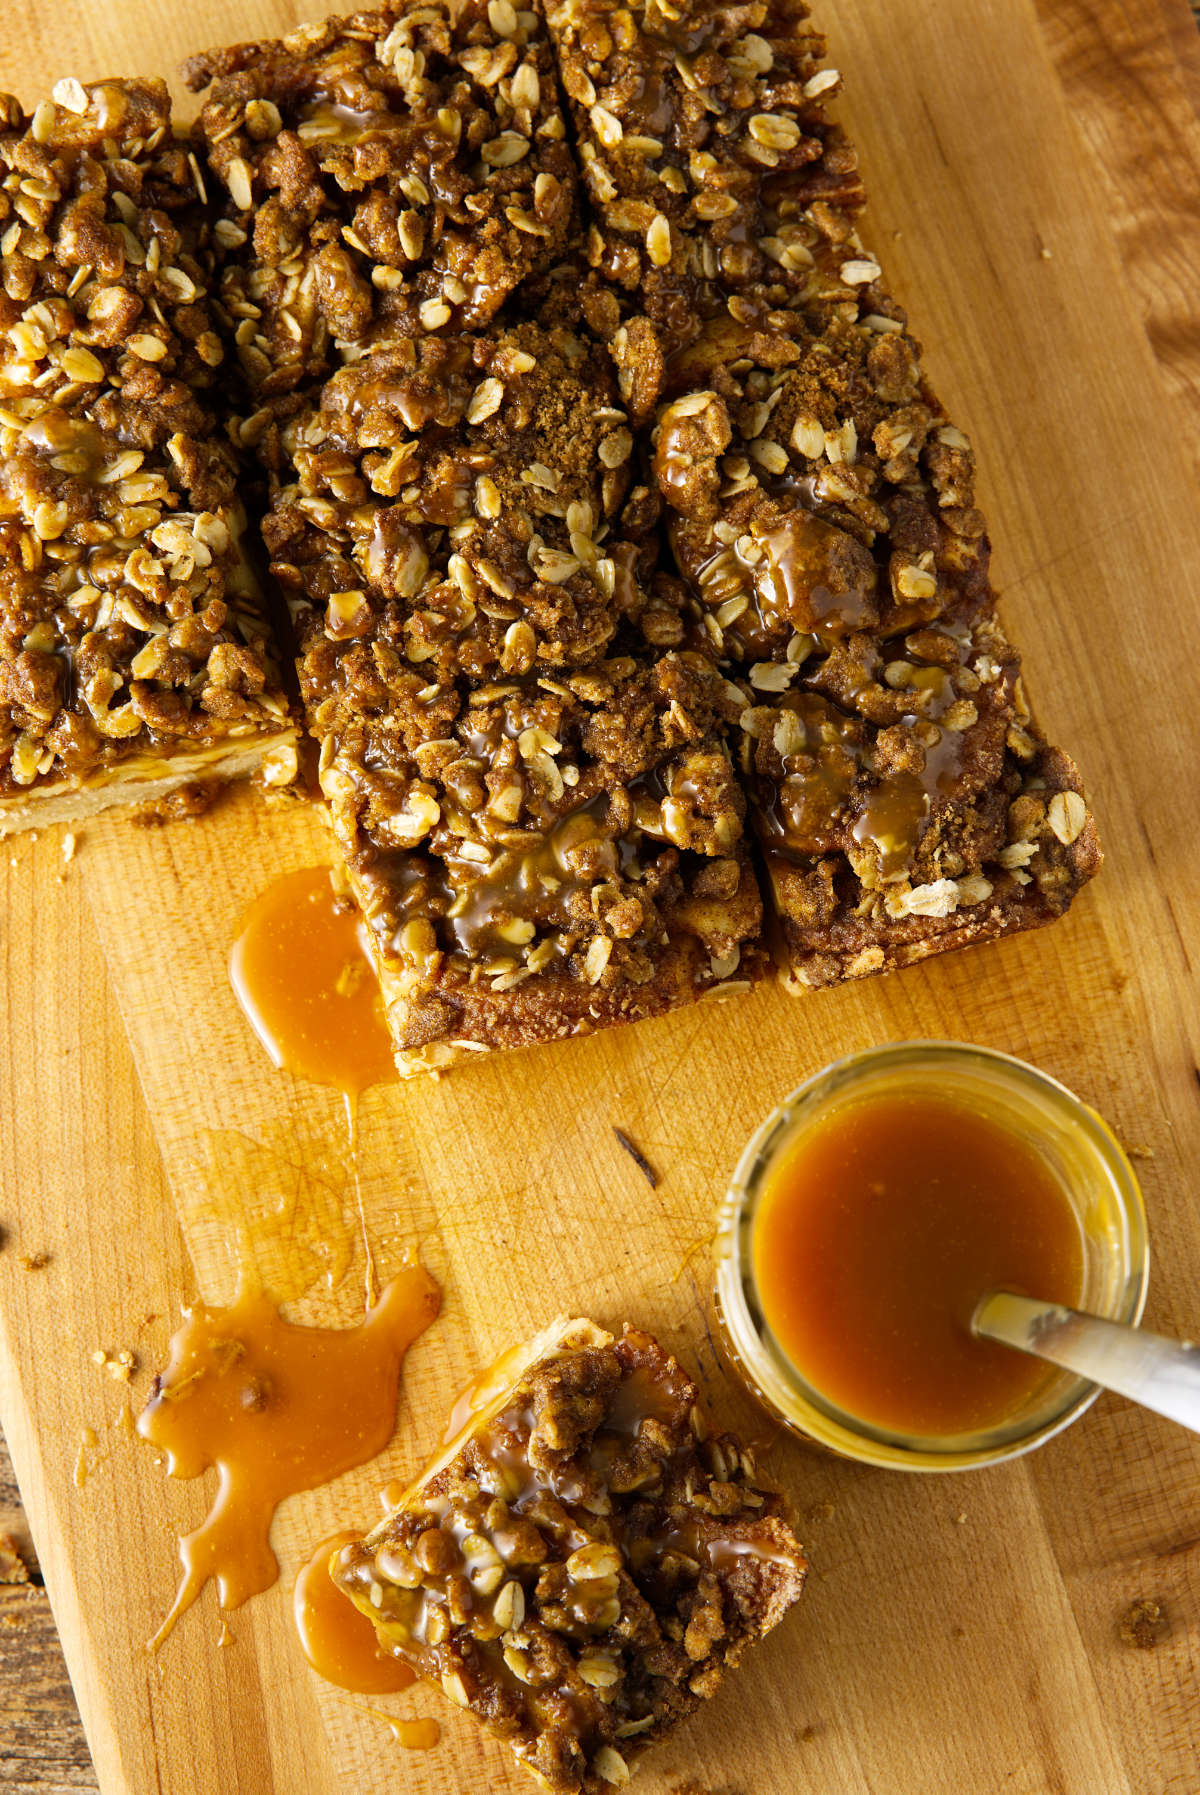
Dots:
pixel 773 1376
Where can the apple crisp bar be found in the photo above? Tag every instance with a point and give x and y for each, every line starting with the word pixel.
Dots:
pixel 819 502
pixel 584 1561
pixel 529 784
pixel 135 650
pixel 481 485
pixel 717 183
pixel 822 510
pixel 390 174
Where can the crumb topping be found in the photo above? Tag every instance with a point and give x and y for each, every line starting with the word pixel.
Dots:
pixel 129 617
pixel 388 175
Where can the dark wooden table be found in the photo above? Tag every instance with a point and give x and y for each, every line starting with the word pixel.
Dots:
pixel 1146 159
pixel 42 1747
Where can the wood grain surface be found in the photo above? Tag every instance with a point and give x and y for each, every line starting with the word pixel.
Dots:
pixel 1027 1629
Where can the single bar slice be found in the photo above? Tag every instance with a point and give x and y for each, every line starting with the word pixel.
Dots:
pixel 529 785
pixel 717 183
pixel 584 1561
pixel 135 649
pixel 822 512
pixel 478 484
pixel 385 175
pixel 537 858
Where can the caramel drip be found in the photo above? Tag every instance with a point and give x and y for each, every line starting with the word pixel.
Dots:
pixel 413 1735
pixel 300 971
pixel 419 399
pixel 530 888
pixel 819 773
pixel 802 572
pixel 275 1408
pixel 329 121
pixel 338 1640
pixel 721 1554
pixel 76 445
pixel 796 578
pixel 482 1390
pixel 896 812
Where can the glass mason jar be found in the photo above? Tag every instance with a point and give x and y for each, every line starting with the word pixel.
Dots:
pixel 1072 1140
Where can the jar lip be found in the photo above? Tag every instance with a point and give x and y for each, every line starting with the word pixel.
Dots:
pixel 762 1362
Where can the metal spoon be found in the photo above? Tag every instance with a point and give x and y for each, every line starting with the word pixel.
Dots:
pixel 1161 1374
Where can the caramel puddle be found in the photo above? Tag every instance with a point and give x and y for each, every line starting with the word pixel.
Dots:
pixel 300 971
pixel 276 1408
pixel 336 1637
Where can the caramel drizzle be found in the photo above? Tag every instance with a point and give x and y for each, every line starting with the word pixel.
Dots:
pixel 337 1639
pixel 275 1409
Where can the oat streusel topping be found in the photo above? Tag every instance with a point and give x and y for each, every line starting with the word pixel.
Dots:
pixel 716 181
pixel 133 636
pixel 585 1562
pixel 616 520
pixel 384 176
pixel 479 484
pixel 822 511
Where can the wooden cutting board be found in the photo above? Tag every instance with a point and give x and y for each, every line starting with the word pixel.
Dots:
pixel 973 1632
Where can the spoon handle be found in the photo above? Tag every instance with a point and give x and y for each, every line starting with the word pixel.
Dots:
pixel 1161 1374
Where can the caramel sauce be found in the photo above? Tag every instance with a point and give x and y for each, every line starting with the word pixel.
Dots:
pixel 483 1389
pixel 394 548
pixel 275 1408
pixel 436 395
pixel 89 1439
pixel 878 1231
pixel 498 911
pixel 802 809
pixel 414 1735
pixel 75 444
pixel 895 814
pixel 337 1638
pixel 329 121
pixel 277 1205
pixel 300 971
pixel 797 577
pixel 798 573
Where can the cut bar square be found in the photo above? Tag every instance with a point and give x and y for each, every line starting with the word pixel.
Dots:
pixel 822 511
pixel 584 1561
pixel 711 168
pixel 529 782
pixel 385 175
pixel 135 649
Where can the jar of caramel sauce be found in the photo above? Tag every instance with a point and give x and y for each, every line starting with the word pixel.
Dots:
pixel 871 1212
